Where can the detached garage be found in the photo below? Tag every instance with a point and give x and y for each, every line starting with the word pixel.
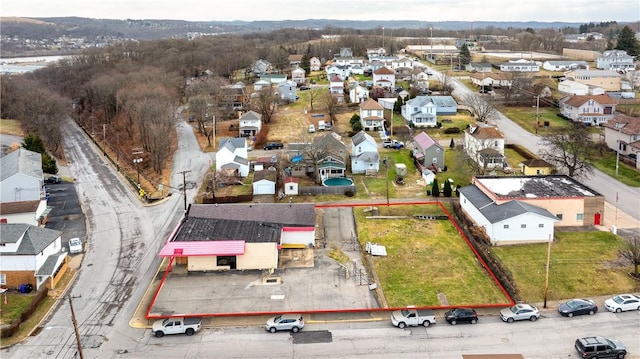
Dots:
pixel 264 182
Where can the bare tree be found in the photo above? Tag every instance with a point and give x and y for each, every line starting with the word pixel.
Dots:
pixel 447 87
pixel 569 150
pixel 482 109
pixel 331 105
pixel 265 102
pixel 631 252
pixel 518 90
pixel 314 95
pixel 199 109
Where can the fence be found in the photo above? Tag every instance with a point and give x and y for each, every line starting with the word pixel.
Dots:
pixel 315 190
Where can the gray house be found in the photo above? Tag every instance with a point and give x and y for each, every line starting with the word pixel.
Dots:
pixel 427 151
pixel 615 60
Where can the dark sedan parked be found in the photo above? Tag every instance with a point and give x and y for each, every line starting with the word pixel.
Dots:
pixel 461 315
pixel 578 307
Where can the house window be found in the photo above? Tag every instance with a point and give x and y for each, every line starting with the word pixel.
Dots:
pixel 559 216
pixel 290 187
pixel 541 225
pixel 523 226
pixel 506 226
pixel 579 216
pixel 3 279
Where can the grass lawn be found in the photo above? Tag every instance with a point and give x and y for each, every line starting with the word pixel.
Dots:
pixel 11 127
pixel 607 164
pixel 425 258
pixel 525 117
pixel 582 264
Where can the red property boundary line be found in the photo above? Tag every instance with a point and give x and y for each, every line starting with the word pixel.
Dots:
pixel 413 203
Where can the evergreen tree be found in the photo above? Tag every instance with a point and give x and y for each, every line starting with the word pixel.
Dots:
pixel 465 55
pixel 452 145
pixel 49 164
pixel 355 118
pixel 397 106
pixel 446 191
pixel 33 143
pixel 305 64
pixel 435 188
pixel 627 41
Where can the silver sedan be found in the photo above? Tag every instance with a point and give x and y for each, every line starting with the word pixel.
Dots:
pixel 520 312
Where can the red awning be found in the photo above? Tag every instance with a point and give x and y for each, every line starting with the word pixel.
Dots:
pixel 202 248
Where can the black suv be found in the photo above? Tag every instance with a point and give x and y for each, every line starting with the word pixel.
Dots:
pixel 460 315
pixel 273 146
pixel 599 347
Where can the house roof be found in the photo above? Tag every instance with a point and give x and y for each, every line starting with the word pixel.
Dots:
pixel 536 162
pixel 34 239
pixel 49 267
pixel 18 207
pixel 232 143
pixel 203 248
pixel 384 71
pixel 251 116
pixel 289 214
pixel 484 132
pixel 496 213
pixel 631 124
pixel 268 175
pixel 592 73
pixel 335 78
pixel 424 141
pixel 22 161
pixel 530 187
pixel 439 101
pixel 367 156
pixel 500 76
pixel 371 104
pixel 360 137
pixel 577 101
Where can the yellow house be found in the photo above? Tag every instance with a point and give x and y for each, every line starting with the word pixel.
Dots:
pixel 536 167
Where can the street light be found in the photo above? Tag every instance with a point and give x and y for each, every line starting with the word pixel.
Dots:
pixel 619 126
pixel 137 161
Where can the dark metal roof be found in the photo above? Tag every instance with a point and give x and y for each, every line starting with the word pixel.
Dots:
pixel 288 214
pixel 209 229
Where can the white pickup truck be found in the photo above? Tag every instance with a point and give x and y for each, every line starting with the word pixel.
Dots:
pixel 168 326
pixel 413 317
pixel 389 143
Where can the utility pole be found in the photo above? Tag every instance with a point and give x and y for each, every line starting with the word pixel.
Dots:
pixel 619 126
pixel 104 139
pixel 546 277
pixel 537 113
pixel 184 187
pixel 75 327
pixel 136 161
pixel 386 166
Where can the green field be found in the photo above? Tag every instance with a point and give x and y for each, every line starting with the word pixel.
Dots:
pixel 582 264
pixel 425 258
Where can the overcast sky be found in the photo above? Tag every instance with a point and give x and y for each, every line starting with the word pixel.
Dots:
pixel 424 10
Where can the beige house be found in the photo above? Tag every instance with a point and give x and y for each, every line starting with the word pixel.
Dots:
pixel 606 79
pixel 573 203
pixel 221 237
pixel 536 167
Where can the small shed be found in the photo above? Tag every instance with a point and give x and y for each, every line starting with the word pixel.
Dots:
pixel 401 169
pixel 291 186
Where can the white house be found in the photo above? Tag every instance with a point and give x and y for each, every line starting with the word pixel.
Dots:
pixel 564 65
pixel 513 222
pixel 291 186
pixel 364 154
pixel 371 115
pixel 484 144
pixel 570 87
pixel 315 64
pixel 520 65
pixel 384 77
pixel 34 213
pixel 264 182
pixel 420 112
pixel 287 90
pixel 357 93
pixel 30 254
pixel 21 176
pixel 250 124
pixel 590 110
pixel 622 133
pixel 232 156
pixel 298 76
pixel 336 85
pixel 615 60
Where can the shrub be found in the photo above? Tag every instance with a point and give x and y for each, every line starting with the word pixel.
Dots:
pixel 450 130
pixel 349 193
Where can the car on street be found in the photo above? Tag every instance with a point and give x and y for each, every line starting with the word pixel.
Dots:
pixel 578 307
pixel 292 322
pixel 75 245
pixel 600 347
pixel 273 146
pixel 520 312
pixel 304 88
pixel 53 179
pixel 461 315
pixel 622 303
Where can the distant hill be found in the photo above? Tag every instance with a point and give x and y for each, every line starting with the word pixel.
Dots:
pixel 40 28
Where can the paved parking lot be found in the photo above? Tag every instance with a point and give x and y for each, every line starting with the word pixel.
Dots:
pixel 66 215
pixel 325 286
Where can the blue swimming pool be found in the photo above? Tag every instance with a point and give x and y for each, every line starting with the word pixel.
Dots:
pixel 337 182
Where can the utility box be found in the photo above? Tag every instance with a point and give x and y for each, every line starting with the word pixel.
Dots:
pixel 401 169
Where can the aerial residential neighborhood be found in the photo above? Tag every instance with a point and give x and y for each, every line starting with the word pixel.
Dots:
pixel 325 183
